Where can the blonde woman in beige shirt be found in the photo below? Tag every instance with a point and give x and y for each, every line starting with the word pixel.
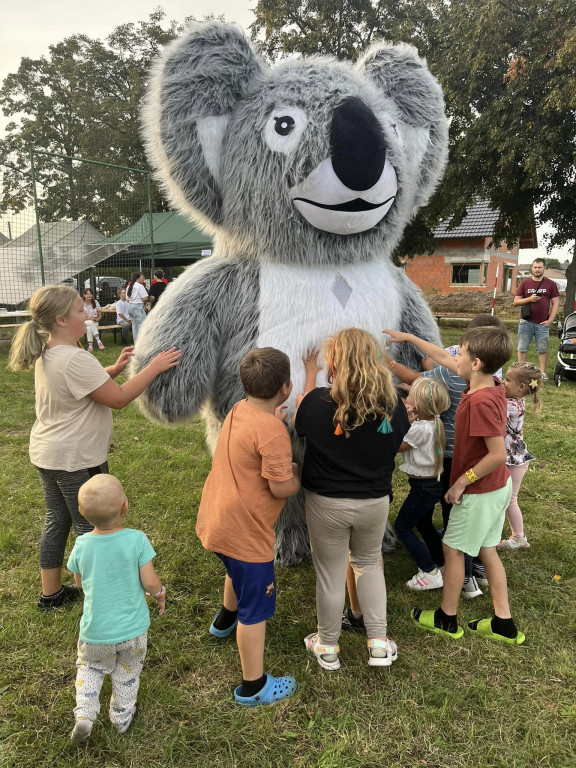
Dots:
pixel 74 395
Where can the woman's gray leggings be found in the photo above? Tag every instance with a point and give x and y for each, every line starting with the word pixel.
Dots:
pixel 342 530
pixel 61 494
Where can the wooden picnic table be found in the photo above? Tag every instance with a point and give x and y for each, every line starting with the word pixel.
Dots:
pixel 14 318
pixel 111 324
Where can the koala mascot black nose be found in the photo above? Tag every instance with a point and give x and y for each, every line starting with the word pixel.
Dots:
pixel 357 145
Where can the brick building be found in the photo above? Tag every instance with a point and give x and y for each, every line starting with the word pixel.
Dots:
pixel 463 260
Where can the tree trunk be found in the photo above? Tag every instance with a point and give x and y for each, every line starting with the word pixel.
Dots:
pixel 570 285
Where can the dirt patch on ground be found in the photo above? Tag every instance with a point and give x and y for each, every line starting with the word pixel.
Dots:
pixel 472 303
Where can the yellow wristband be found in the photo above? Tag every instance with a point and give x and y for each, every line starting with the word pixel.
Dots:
pixel 472 476
pixel 392 364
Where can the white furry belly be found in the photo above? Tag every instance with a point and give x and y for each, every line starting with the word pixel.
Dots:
pixel 299 308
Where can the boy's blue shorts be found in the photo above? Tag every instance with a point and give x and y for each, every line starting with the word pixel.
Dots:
pixel 255 588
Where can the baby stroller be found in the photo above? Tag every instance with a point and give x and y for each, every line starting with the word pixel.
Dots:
pixel 566 362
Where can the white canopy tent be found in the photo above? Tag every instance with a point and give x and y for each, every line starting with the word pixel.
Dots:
pixel 68 247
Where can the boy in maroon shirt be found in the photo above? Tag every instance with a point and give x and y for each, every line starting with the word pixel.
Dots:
pixel 480 489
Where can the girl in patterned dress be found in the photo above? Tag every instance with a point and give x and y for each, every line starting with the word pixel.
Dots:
pixel 522 379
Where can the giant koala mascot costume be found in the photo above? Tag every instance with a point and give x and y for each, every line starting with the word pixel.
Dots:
pixel 307 174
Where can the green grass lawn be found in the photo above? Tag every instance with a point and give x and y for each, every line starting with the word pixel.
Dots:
pixel 444 704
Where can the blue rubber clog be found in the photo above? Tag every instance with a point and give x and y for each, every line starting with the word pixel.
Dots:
pixel 275 689
pixel 222 632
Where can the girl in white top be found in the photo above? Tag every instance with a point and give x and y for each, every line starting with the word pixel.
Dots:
pixel 93 316
pixel 423 450
pixel 74 395
pixel 136 295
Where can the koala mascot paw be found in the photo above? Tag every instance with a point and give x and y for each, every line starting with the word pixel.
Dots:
pixel 306 174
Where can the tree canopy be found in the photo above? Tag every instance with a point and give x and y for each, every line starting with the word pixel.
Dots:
pixel 82 100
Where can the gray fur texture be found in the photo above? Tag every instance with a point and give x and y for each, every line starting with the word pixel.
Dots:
pixel 237 146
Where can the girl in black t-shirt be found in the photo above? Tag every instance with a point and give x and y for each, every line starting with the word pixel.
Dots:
pixel 353 429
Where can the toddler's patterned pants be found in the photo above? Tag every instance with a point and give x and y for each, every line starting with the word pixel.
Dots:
pixel 123 662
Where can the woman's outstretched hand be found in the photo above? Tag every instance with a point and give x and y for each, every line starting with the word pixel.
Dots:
pixel 124 358
pixel 166 360
pixel 121 363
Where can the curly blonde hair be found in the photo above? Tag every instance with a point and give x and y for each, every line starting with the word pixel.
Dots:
pixel 530 377
pixel 360 382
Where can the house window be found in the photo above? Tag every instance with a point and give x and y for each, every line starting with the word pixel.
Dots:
pixel 467 274
pixel 507 278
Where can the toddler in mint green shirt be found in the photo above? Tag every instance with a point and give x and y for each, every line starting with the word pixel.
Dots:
pixel 113 565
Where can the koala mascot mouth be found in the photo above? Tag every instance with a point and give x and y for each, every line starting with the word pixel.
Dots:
pixel 354 188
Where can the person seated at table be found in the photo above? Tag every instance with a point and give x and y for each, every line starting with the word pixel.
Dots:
pixel 94 313
pixel 122 316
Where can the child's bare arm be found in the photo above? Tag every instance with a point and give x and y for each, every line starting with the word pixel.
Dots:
pixel 286 488
pixel 78 580
pixel 153 586
pixel 437 354
pixel 312 369
pixel 402 372
pixel 495 457
pixel 404 447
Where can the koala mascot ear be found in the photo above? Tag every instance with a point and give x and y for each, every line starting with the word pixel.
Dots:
pixel 403 77
pixel 193 89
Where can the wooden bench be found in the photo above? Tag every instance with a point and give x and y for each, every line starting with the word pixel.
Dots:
pixel 511 321
pixel 10 327
pixel 114 328
pixel 460 318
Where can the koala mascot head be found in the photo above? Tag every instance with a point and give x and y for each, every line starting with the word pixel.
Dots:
pixel 306 174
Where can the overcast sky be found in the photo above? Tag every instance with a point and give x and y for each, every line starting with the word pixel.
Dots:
pixel 28 27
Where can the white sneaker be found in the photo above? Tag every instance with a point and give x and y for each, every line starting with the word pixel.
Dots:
pixel 423 580
pixel 81 732
pixel 381 653
pixel 479 574
pixel 326 655
pixel 123 727
pixel 471 589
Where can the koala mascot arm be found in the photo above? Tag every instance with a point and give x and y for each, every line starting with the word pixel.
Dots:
pixel 192 320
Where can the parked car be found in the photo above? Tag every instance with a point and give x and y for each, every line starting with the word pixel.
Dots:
pixel 107 287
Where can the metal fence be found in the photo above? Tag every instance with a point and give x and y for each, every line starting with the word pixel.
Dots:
pixel 72 220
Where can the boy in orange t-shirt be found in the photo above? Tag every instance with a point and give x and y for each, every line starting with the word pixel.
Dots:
pixel 252 473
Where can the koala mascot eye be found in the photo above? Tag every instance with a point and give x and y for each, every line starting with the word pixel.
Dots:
pixel 284 125
pixel 284 129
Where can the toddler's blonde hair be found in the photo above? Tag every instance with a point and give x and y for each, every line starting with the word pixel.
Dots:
pixel 431 398
pixel 100 499
pixel 530 376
